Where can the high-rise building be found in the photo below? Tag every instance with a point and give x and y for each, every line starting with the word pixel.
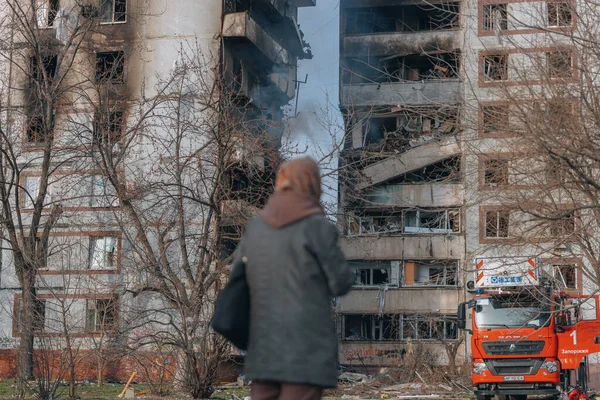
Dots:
pixel 88 85
pixel 427 89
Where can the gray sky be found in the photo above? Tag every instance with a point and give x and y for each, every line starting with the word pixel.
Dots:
pixel 320 25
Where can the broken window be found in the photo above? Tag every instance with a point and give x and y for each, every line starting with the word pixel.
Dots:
pixel 35 129
pixel 110 67
pixel 566 275
pixel 112 11
pixel 371 273
pixel 495 172
pixel 496 224
pixel 563 225
pixel 434 273
pixel 229 237
pixel 370 327
pixel 378 128
pixel 495 67
pixel 39 315
pixel 103 252
pixel 420 221
pixel 46 71
pixel 444 327
pixel 560 13
pixel 46 12
pixel 560 64
pixel 373 224
pixel 495 118
pixel 399 327
pixel 101 315
pixel 495 17
pixel 108 127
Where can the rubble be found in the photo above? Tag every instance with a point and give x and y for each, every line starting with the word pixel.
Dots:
pixel 397 383
pixel 353 377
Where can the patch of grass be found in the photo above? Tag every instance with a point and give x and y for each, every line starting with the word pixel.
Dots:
pixel 8 390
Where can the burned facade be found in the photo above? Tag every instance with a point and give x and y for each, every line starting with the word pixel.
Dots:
pixel 428 167
pixel 402 192
pixel 108 61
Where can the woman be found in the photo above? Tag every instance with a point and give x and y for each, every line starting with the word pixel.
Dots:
pixel 293 266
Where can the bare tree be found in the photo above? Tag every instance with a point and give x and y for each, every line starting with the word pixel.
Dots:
pixel 36 71
pixel 207 163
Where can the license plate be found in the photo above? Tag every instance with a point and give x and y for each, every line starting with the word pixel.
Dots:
pixel 514 378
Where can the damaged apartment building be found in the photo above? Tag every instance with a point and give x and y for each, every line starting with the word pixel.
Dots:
pixel 402 195
pixel 129 46
pixel 418 197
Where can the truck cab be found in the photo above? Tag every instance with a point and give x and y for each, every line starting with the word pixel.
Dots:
pixel 527 337
pixel 513 343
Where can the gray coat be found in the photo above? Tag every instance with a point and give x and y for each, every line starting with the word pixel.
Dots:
pixel 292 273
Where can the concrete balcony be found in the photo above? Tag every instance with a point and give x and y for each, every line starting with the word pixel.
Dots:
pixel 426 195
pixel 400 43
pixel 387 353
pixel 415 93
pixel 449 246
pixel 411 300
pixel 241 26
pixel 413 159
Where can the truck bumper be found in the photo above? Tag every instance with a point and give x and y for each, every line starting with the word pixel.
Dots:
pixel 494 392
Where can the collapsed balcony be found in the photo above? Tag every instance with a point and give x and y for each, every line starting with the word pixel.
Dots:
pixel 420 195
pixel 399 129
pixel 421 164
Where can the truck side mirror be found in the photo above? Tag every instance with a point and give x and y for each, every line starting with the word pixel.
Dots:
pixel 461 314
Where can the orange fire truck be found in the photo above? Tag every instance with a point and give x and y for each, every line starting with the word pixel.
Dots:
pixel 528 337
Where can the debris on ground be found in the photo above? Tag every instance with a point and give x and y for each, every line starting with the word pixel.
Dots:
pixel 353 377
pixel 396 383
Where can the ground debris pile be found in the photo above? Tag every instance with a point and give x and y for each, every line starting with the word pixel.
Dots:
pixel 392 383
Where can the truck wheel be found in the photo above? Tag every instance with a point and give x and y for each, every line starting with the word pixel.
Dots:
pixel 484 397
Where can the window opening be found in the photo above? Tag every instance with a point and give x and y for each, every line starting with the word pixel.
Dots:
pixel 495 118
pixel 495 172
pixel 103 252
pixel 560 64
pixel 496 224
pixel 110 67
pixel 496 67
pixel 101 315
pixel 560 13
pixel 112 11
pixel 495 17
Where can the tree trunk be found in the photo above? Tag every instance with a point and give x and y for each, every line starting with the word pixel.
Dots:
pixel 26 325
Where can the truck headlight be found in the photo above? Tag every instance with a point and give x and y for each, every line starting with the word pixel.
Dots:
pixel 479 367
pixel 550 366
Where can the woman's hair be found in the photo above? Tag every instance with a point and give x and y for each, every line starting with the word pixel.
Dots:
pixel 300 175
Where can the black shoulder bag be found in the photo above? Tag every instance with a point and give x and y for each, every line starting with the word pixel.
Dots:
pixel 232 309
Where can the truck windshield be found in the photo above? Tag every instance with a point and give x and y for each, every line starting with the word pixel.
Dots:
pixel 511 312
